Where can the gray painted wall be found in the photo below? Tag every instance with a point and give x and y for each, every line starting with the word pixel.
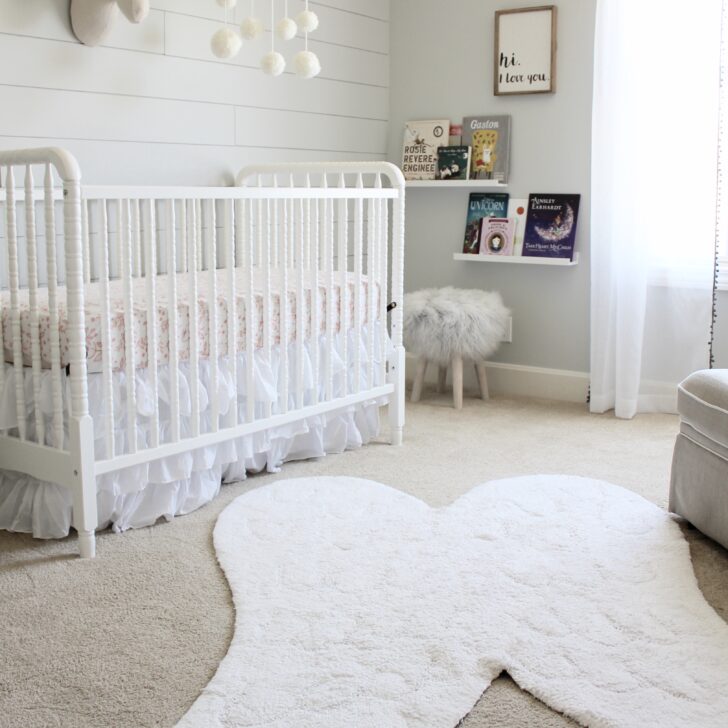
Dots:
pixel 442 66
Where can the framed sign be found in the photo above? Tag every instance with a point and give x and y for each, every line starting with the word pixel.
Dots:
pixel 525 51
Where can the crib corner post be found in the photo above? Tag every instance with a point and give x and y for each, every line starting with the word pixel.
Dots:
pixel 85 515
pixel 395 376
pixel 81 425
pixel 395 370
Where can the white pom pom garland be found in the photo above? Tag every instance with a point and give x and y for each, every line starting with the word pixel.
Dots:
pixel 273 63
pixel 226 43
pixel 307 64
pixel 286 28
pixel 251 28
pixel 307 21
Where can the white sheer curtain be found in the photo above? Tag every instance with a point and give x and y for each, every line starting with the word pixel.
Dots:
pixel 654 152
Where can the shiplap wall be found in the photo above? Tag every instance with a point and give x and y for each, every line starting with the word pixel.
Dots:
pixel 153 105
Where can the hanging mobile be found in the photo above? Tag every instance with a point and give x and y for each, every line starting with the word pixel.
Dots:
pixel 273 63
pixel 251 27
pixel 286 27
pixel 306 62
pixel 307 20
pixel 226 42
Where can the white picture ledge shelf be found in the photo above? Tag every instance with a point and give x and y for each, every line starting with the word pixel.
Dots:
pixel 440 184
pixel 517 259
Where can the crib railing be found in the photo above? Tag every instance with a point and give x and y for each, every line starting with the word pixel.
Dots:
pixel 182 274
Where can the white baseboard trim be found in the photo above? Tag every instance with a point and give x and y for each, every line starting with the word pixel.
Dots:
pixel 520 381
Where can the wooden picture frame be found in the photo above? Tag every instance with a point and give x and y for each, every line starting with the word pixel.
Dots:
pixel 525 51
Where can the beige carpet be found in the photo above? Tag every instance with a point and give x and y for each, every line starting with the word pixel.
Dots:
pixel 130 638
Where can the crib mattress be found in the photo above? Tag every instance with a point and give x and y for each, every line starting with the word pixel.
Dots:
pixel 118 333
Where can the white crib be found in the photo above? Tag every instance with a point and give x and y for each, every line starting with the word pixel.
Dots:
pixel 192 320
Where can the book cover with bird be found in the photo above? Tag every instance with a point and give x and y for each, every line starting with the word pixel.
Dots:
pixel 419 151
pixel 490 138
pixel 551 226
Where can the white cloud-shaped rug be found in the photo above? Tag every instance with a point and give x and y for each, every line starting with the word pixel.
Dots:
pixel 358 605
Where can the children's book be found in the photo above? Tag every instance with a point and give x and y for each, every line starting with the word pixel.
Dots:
pixel 480 205
pixel 419 151
pixel 551 226
pixel 496 235
pixel 490 138
pixel 517 209
pixel 453 163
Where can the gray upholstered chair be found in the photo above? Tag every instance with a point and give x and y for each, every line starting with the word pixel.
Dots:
pixel 699 482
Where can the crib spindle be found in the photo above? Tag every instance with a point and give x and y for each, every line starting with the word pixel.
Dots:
pixel 328 236
pixel 106 368
pixel 183 237
pixel 313 221
pixel 173 365
pixel 150 267
pixel 358 255
pixel 138 267
pixel 275 249
pixel 194 234
pixel 126 237
pixel 343 256
pixel 250 305
pixel 200 238
pixel 266 243
pixel 306 208
pixel 372 226
pixel 32 259
pixel 300 304
pixel 211 255
pixel 86 238
pixel 286 240
pixel 12 232
pixel 52 275
pixel 232 227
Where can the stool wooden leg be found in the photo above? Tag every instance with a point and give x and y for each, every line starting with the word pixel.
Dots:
pixel 482 379
pixel 441 379
pixel 419 379
pixel 457 382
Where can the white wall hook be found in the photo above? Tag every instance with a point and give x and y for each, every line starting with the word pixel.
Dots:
pixel 92 20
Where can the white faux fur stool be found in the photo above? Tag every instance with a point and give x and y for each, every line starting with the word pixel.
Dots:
pixel 445 326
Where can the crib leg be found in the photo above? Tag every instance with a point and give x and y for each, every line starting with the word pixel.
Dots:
pixel 395 375
pixel 87 544
pixel 85 516
pixel 482 379
pixel 419 379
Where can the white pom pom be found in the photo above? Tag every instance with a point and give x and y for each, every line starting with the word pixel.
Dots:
pixel 273 63
pixel 251 28
pixel 307 64
pixel 226 43
pixel 227 4
pixel 286 28
pixel 307 21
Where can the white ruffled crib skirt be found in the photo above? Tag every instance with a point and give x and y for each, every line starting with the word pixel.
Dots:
pixel 138 496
